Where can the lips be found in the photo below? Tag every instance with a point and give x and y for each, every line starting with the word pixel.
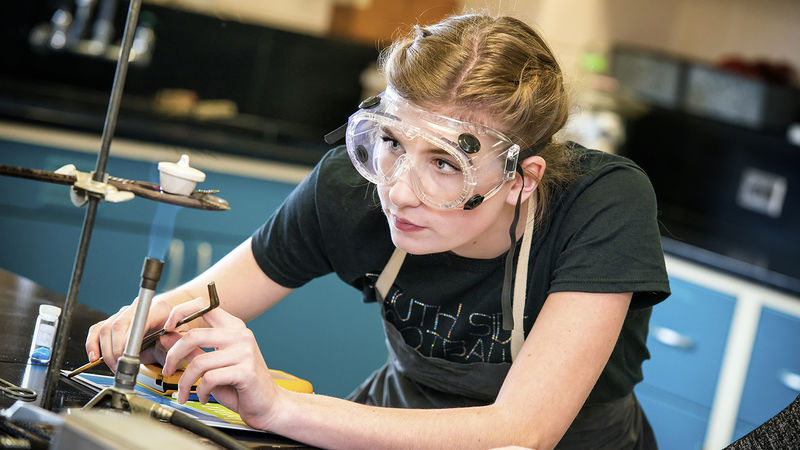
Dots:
pixel 405 225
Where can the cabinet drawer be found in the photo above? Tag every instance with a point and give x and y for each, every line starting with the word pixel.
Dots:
pixel 687 337
pixel 678 424
pixel 773 379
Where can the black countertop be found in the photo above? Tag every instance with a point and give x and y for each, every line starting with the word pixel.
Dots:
pixel 84 110
pixel 782 275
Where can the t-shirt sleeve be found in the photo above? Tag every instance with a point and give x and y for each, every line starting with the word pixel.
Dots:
pixel 288 247
pixel 610 239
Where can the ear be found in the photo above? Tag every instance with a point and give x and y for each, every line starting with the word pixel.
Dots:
pixel 533 169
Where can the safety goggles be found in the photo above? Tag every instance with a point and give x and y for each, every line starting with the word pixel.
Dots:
pixel 449 163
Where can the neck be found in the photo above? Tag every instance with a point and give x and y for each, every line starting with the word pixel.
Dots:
pixel 496 241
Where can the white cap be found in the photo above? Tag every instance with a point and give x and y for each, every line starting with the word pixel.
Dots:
pixel 179 178
pixel 50 311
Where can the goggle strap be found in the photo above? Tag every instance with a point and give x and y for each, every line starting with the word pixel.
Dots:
pixel 505 295
pixel 339 133
pixel 336 135
pixel 528 152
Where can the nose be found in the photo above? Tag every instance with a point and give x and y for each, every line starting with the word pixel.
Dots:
pixel 402 194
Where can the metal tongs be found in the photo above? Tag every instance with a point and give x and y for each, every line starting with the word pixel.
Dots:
pixel 151 338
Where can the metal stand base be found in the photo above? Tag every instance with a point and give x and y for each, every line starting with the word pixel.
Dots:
pixel 124 400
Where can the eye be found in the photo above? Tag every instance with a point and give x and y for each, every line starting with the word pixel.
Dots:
pixel 391 143
pixel 445 166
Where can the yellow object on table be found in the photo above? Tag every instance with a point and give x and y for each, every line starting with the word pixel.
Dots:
pixel 151 376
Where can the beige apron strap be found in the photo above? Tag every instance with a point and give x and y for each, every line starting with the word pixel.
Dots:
pixel 389 273
pixel 521 283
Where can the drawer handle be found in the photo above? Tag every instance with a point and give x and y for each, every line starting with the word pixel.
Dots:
pixel 789 379
pixel 672 338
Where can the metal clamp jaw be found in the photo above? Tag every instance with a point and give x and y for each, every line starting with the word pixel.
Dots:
pixel 85 185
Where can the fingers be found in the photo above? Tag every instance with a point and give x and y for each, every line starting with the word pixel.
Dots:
pixel 224 383
pixel 158 353
pixel 200 367
pixel 205 338
pixel 109 337
pixel 242 384
pixel 93 339
pixel 235 372
pixel 219 318
pixel 183 311
pixel 92 342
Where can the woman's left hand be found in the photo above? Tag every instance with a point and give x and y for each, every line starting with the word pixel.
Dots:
pixel 235 371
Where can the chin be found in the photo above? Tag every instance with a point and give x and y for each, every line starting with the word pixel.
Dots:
pixel 413 246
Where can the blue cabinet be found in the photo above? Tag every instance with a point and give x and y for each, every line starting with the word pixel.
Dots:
pixel 723 361
pixel 677 422
pixel 686 342
pixel 773 378
pixel 321 332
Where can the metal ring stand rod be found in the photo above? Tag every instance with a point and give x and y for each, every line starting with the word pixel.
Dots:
pixel 60 345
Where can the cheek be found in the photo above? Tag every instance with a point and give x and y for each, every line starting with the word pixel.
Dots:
pixel 383 195
pixel 486 217
pixel 456 226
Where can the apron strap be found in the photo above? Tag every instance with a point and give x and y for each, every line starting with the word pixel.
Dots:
pixel 521 283
pixel 389 273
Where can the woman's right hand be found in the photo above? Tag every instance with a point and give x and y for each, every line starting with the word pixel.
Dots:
pixel 245 291
pixel 108 338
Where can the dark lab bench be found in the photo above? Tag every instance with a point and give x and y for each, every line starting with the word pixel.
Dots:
pixel 19 306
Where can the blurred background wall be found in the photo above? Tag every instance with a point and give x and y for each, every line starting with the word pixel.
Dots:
pixel 703 29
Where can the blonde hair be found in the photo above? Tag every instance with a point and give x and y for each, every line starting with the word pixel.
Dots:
pixel 488 65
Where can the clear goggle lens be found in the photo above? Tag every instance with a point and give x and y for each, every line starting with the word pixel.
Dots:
pixel 447 161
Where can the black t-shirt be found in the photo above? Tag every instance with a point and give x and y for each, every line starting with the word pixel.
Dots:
pixel 600 235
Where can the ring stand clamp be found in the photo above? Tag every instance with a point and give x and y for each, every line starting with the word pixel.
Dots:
pixel 84 185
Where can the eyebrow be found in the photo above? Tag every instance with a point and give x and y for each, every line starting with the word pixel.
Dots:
pixel 438 151
pixel 431 149
pixel 387 131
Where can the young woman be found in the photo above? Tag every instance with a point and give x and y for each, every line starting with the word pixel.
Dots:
pixel 515 276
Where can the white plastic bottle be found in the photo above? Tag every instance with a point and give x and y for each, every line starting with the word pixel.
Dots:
pixel 44 333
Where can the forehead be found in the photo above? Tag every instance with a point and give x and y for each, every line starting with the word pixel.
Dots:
pixel 475 115
pixel 470 115
pixel 447 120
